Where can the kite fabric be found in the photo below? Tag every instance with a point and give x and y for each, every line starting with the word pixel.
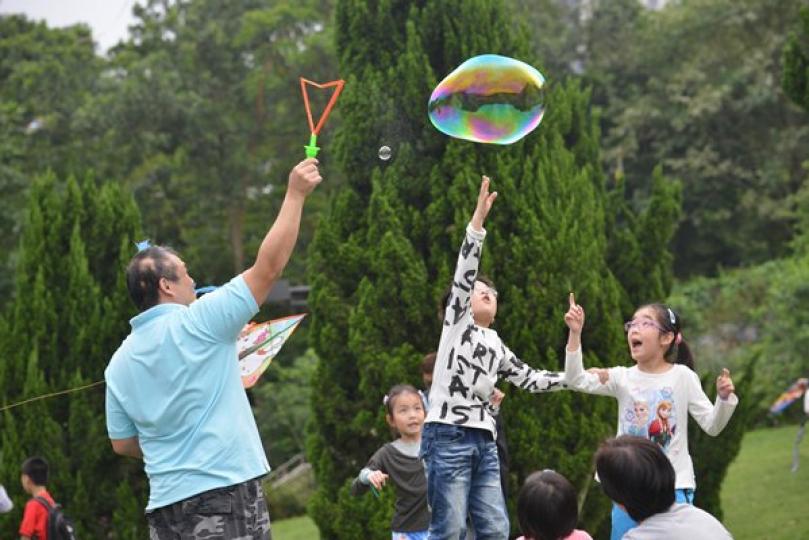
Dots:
pixel 790 396
pixel 258 344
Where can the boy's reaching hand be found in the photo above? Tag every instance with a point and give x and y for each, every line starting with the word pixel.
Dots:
pixel 485 202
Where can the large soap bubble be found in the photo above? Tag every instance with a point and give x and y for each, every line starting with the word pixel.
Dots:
pixel 489 99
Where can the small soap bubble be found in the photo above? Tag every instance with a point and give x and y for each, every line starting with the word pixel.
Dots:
pixel 384 153
pixel 489 99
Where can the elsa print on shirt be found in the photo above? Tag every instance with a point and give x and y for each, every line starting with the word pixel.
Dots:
pixel 652 416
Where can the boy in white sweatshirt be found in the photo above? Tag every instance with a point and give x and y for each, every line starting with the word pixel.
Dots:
pixel 458 442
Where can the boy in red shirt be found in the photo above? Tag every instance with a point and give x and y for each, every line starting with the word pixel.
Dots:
pixel 34 477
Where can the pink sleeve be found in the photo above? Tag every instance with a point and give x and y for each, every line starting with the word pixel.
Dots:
pixel 578 534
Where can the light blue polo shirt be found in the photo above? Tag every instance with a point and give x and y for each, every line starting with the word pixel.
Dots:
pixel 174 383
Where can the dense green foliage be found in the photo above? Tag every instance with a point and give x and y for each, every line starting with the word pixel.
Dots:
pixel 796 61
pixel 68 314
pixel 199 114
pixel 45 75
pixel 694 86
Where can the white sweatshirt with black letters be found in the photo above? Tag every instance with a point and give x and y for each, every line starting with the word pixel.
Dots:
pixel 471 358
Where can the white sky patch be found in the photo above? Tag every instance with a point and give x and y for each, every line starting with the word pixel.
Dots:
pixel 108 19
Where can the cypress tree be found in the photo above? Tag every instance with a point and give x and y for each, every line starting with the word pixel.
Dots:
pixel 385 250
pixel 68 314
pixel 795 78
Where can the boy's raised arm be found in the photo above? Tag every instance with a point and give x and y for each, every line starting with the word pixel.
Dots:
pixel 466 269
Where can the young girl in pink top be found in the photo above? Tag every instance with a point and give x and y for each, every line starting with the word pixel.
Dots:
pixel 547 508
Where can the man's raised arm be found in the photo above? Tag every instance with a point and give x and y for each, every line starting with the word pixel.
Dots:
pixel 277 246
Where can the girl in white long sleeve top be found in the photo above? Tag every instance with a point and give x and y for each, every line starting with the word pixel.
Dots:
pixel 656 395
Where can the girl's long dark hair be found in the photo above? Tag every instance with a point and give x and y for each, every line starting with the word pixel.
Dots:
pixel 678 352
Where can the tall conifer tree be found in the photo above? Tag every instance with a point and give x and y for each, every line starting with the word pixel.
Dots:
pixel 68 314
pixel 384 251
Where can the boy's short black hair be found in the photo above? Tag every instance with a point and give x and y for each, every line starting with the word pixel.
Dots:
pixel 547 508
pixel 442 305
pixel 635 473
pixel 36 468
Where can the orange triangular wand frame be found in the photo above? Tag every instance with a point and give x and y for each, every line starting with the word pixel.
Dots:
pixel 312 148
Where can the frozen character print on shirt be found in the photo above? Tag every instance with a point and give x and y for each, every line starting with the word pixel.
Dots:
pixel 637 420
pixel 652 416
pixel 662 427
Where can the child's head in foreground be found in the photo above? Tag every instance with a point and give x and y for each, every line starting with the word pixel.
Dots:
pixel 636 474
pixel 547 508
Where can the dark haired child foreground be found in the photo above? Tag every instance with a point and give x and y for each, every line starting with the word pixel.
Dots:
pixel 636 474
pixel 399 462
pixel 34 479
pixel 458 444
pixel 656 395
pixel 547 508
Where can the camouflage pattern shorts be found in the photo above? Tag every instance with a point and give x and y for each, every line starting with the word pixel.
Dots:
pixel 236 512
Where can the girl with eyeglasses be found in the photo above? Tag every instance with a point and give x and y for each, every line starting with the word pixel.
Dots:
pixel 663 379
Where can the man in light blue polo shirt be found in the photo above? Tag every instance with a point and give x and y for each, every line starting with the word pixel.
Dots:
pixel 174 394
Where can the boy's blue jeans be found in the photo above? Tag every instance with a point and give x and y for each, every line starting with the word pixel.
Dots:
pixel 463 476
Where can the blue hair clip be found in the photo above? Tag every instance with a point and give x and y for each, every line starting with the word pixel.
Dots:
pixel 143 244
pixel 204 290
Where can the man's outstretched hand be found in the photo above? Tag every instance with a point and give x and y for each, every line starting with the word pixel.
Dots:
pixel 304 177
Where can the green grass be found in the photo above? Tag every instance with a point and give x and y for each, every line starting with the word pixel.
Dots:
pixel 297 528
pixel 761 498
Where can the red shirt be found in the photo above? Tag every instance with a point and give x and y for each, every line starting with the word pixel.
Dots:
pixel 35 518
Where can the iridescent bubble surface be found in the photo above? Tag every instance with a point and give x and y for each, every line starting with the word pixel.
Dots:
pixel 384 153
pixel 489 99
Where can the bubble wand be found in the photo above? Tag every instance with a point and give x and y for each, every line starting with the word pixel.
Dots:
pixel 312 148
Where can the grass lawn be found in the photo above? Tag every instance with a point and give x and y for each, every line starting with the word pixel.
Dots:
pixel 297 528
pixel 761 498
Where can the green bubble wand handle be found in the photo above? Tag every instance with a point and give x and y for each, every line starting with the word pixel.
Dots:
pixel 312 149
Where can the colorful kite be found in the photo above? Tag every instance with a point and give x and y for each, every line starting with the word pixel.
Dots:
pixel 312 148
pixel 790 396
pixel 258 344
